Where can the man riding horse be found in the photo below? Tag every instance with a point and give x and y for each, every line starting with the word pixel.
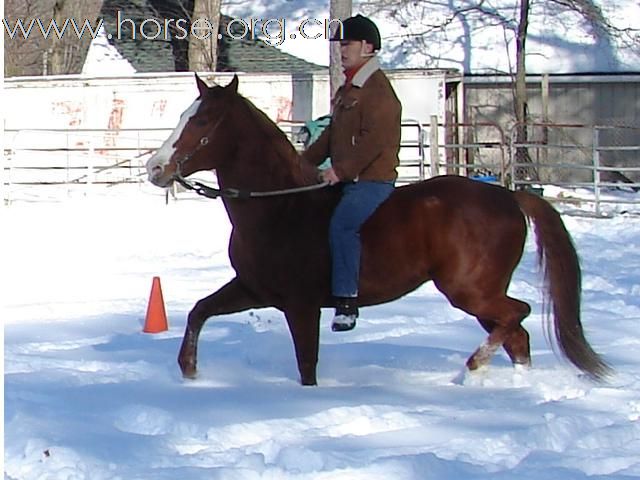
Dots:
pixel 363 141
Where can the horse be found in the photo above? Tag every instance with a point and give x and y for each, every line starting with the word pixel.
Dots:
pixel 464 235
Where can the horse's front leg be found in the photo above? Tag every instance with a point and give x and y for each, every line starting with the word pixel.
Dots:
pixel 231 298
pixel 304 325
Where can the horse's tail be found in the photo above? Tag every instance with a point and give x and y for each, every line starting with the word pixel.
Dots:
pixel 558 259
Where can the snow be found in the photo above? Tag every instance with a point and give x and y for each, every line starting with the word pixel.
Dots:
pixel 103 58
pixel 89 396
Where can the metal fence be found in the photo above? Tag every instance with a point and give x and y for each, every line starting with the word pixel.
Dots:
pixel 38 160
pixel 413 151
pixel 35 160
pixel 598 164
pixel 594 160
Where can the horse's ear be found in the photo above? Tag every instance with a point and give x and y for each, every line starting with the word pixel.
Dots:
pixel 202 87
pixel 233 85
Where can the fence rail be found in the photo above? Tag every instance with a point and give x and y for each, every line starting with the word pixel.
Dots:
pixel 74 158
pixel 601 159
pixel 595 158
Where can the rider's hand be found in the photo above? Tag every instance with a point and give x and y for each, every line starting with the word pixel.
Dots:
pixel 329 175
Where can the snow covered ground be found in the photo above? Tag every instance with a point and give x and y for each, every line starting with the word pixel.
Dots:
pixel 89 396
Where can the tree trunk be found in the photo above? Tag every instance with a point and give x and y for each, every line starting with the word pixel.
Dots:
pixel 203 52
pixel 23 56
pixel 67 54
pixel 179 10
pixel 522 153
pixel 338 9
pixel 56 63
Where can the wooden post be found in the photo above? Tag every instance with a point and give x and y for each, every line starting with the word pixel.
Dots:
pixel 338 9
pixel 545 118
pixel 434 146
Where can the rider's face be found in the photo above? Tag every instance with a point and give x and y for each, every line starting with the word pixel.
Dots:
pixel 354 53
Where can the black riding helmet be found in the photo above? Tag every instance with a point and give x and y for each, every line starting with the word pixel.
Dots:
pixel 358 28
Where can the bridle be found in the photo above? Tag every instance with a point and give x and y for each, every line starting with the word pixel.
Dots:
pixel 212 192
pixel 204 141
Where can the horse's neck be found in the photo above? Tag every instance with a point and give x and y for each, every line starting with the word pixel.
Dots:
pixel 263 159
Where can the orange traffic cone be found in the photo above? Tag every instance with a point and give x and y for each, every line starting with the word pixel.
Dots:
pixel 156 319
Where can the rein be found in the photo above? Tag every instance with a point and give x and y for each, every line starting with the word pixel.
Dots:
pixel 212 192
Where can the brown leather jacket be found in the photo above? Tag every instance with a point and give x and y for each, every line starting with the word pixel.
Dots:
pixel 363 139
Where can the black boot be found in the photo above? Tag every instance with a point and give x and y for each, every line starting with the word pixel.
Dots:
pixel 346 314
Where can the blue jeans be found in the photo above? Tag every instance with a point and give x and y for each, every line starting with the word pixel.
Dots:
pixel 359 201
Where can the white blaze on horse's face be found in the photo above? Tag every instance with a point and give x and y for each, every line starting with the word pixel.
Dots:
pixel 157 163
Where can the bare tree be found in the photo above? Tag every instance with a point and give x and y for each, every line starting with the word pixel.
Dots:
pixel 337 9
pixel 179 11
pixel 67 54
pixel 193 27
pixel 55 45
pixel 480 14
pixel 203 46
pixel 33 54
pixel 520 101
pixel 22 56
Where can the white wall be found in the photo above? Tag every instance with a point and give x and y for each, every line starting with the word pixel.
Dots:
pixel 156 100
pixel 118 107
pixel 126 102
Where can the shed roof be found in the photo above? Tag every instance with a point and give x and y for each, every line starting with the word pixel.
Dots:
pixel 161 55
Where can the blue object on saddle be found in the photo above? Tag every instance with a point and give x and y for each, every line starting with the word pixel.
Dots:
pixel 485 178
pixel 310 133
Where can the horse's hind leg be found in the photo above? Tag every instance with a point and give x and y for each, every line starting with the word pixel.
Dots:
pixel 517 347
pixel 231 298
pixel 516 344
pixel 506 314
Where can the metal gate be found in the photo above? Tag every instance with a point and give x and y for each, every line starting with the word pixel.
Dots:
pixel 596 164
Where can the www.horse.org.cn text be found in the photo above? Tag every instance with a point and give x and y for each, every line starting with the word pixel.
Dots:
pixel 273 31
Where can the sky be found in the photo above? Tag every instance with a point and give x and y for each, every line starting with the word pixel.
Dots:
pixel 89 396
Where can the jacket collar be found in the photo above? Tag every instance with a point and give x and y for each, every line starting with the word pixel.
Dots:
pixel 365 72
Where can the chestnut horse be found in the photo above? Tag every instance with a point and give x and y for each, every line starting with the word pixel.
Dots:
pixel 466 236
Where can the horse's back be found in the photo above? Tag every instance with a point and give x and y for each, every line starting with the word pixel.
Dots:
pixel 454 192
pixel 442 229
pixel 447 202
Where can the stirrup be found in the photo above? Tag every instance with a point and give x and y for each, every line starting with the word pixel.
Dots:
pixel 343 323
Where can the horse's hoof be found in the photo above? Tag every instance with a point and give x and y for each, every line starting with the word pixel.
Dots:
pixel 460 377
pixel 468 376
pixel 189 370
pixel 307 372
pixel 190 375
pixel 309 382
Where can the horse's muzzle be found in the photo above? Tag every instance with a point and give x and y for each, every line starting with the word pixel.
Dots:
pixel 159 175
pixel 155 175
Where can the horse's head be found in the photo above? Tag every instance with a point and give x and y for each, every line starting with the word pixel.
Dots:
pixel 200 125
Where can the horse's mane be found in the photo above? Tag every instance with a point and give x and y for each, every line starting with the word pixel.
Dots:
pixel 283 147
